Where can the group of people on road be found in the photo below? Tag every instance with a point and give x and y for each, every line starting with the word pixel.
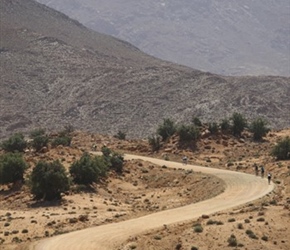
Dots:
pixel 262 169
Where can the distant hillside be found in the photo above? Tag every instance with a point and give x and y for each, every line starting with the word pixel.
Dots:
pixel 54 72
pixel 225 37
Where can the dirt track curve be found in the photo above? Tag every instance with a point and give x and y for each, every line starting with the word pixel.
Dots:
pixel 240 188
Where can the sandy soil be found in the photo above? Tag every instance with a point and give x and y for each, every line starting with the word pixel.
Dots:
pixel 240 188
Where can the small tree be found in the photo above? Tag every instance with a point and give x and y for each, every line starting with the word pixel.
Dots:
pixel 196 121
pixel 12 168
pixel 114 160
pixel 106 151
pixel 259 128
pixel 213 128
pixel 16 143
pixel 282 150
pixel 37 132
pixel 120 135
pixel 62 140
pixel 166 129
pixel 239 124
pixel 39 139
pixel 48 180
pixel 188 133
pixel 225 125
pixel 88 169
pixel 155 142
pixel 117 162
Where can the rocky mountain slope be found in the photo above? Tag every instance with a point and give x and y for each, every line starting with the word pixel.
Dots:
pixel 225 37
pixel 54 72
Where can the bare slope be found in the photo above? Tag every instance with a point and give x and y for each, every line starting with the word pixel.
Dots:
pixel 226 37
pixel 54 71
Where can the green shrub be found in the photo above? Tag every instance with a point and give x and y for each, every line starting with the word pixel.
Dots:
pixel 106 151
pixel 231 220
pixel 39 139
pixel 239 123
pixel 63 140
pixel 213 128
pixel 225 125
pixel 88 169
pixel 194 248
pixel 196 121
pixel 167 129
pixel 232 240
pixel 251 234
pixel 282 150
pixel 16 143
pixel 198 228
pixel 210 222
pixel 188 133
pixel 116 162
pixel 155 142
pixel 12 168
pixel 259 128
pixel 120 135
pixel 248 231
pixel 113 160
pixel 49 180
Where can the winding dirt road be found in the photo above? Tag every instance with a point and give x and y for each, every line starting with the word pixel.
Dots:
pixel 240 188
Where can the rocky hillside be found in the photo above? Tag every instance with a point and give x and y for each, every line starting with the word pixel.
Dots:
pixel 225 37
pixel 54 72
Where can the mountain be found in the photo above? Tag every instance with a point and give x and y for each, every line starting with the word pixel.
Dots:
pixel 225 37
pixel 54 72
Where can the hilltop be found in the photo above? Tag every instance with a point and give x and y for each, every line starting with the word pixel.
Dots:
pixel 55 72
pixel 223 37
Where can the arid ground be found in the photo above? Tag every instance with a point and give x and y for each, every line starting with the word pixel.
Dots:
pixel 145 188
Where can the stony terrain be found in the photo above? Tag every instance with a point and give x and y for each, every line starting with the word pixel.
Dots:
pixel 225 37
pixel 56 72
pixel 144 188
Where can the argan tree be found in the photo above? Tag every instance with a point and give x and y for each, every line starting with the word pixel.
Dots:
pixel 282 149
pixel 48 180
pixel 16 143
pixel 114 160
pixel 225 125
pixel 120 135
pixel 12 168
pixel 88 169
pixel 166 129
pixel 39 139
pixel 188 133
pixel 239 123
pixel 155 142
pixel 213 128
pixel 259 128
pixel 196 121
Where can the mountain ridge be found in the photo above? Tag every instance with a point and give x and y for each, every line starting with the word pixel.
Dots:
pixel 55 72
pixel 223 37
